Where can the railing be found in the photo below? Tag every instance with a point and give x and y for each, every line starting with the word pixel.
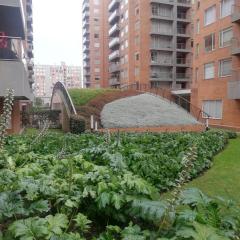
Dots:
pixel 184 31
pixel 183 15
pixel 11 49
pixel 67 99
pixel 183 61
pixel 185 2
pixel 113 15
pixel 113 29
pixel 162 61
pixel 114 67
pixel 183 46
pixel 182 76
pixel 114 54
pixel 195 111
pixel 235 43
pixel 162 75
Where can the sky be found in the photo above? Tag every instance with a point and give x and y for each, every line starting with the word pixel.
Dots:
pixel 57 31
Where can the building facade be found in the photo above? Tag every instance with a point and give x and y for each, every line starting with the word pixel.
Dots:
pixel 47 75
pixel 148 42
pixel 16 56
pixel 216 65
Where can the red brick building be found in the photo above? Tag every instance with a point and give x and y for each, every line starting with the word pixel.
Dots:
pixel 132 41
pixel 216 64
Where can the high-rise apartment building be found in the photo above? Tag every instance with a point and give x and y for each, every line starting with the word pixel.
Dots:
pixel 16 53
pixel 95 43
pixel 148 42
pixel 216 74
pixel 47 75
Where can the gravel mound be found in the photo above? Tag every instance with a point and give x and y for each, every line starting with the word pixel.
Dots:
pixel 144 110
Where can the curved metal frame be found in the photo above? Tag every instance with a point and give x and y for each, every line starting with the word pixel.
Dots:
pixel 67 99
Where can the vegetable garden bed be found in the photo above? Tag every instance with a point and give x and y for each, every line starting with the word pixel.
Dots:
pixel 68 187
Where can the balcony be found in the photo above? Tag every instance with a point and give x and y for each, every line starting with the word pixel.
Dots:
pixel 183 16
pixel 161 76
pixel 183 47
pixel 85 6
pixel 168 32
pixel 12 18
pixel 86 49
pixel 113 5
pixel 86 64
pixel 14 74
pixel 114 68
pixel 183 77
pixel 114 17
pixel 187 3
pixel 86 40
pixel 115 29
pixel 114 81
pixel 162 61
pixel 86 15
pixel 235 47
pixel 234 86
pixel 183 62
pixel 86 57
pixel 114 42
pixel 236 14
pixel 183 32
pixel 86 24
pixel 86 32
pixel 114 55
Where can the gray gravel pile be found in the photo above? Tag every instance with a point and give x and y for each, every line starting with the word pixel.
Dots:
pixel 144 110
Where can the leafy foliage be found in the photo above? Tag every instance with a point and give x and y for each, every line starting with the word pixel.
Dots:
pixel 108 188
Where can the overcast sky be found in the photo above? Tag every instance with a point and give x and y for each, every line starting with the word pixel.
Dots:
pixel 57 31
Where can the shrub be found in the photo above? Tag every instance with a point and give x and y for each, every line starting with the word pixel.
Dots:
pixel 77 124
pixel 231 134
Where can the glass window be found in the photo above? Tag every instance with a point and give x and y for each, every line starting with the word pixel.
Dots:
pixel 226 7
pixel 209 71
pixel 225 67
pixel 209 42
pixel 210 15
pixel 226 36
pixel 214 108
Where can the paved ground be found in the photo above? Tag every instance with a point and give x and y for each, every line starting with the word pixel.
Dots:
pixel 142 111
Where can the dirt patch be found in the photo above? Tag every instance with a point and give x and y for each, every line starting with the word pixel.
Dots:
pixel 95 106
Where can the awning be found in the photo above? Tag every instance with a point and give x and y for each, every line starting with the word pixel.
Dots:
pixel 11 18
pixel 182 92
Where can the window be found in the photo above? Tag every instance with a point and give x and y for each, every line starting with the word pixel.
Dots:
pixel 197 49
pixel 97 45
pixel 225 67
pixel 226 36
pixel 214 108
pixel 136 11
pixel 209 71
pixel 136 56
pixel 210 42
pixel 137 25
pixel 198 26
pixel 196 74
pixel 210 15
pixel 96 35
pixel 136 71
pixel 226 7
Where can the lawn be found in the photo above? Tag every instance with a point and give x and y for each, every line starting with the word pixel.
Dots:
pixel 82 96
pixel 223 179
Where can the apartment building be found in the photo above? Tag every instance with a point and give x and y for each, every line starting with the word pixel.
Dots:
pixel 95 43
pixel 216 62
pixel 16 56
pixel 47 75
pixel 148 42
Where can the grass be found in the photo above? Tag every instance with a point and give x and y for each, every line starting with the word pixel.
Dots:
pixel 223 179
pixel 33 131
pixel 81 97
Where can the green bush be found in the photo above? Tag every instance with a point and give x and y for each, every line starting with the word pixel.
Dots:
pixel 77 124
pixel 231 134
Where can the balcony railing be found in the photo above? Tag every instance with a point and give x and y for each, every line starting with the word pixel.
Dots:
pixel 235 46
pixel 114 55
pixel 186 2
pixel 234 86
pixel 164 76
pixel 182 76
pixel 183 16
pixel 114 29
pixel 114 81
pixel 183 31
pixel 114 42
pixel 115 15
pixel 235 13
pixel 114 68
pixel 183 61
pixel 113 4
pixel 183 46
pixel 162 61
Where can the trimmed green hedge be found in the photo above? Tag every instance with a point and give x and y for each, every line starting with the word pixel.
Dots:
pixel 77 124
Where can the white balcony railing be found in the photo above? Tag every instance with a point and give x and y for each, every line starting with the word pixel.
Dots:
pixel 113 55
pixel 114 29
pixel 114 42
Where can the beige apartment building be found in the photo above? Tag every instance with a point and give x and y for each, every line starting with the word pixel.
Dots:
pixel 129 41
pixel 16 56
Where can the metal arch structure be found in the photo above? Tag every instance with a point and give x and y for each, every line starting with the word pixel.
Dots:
pixel 61 100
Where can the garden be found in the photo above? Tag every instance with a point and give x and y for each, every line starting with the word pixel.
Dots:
pixel 112 186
